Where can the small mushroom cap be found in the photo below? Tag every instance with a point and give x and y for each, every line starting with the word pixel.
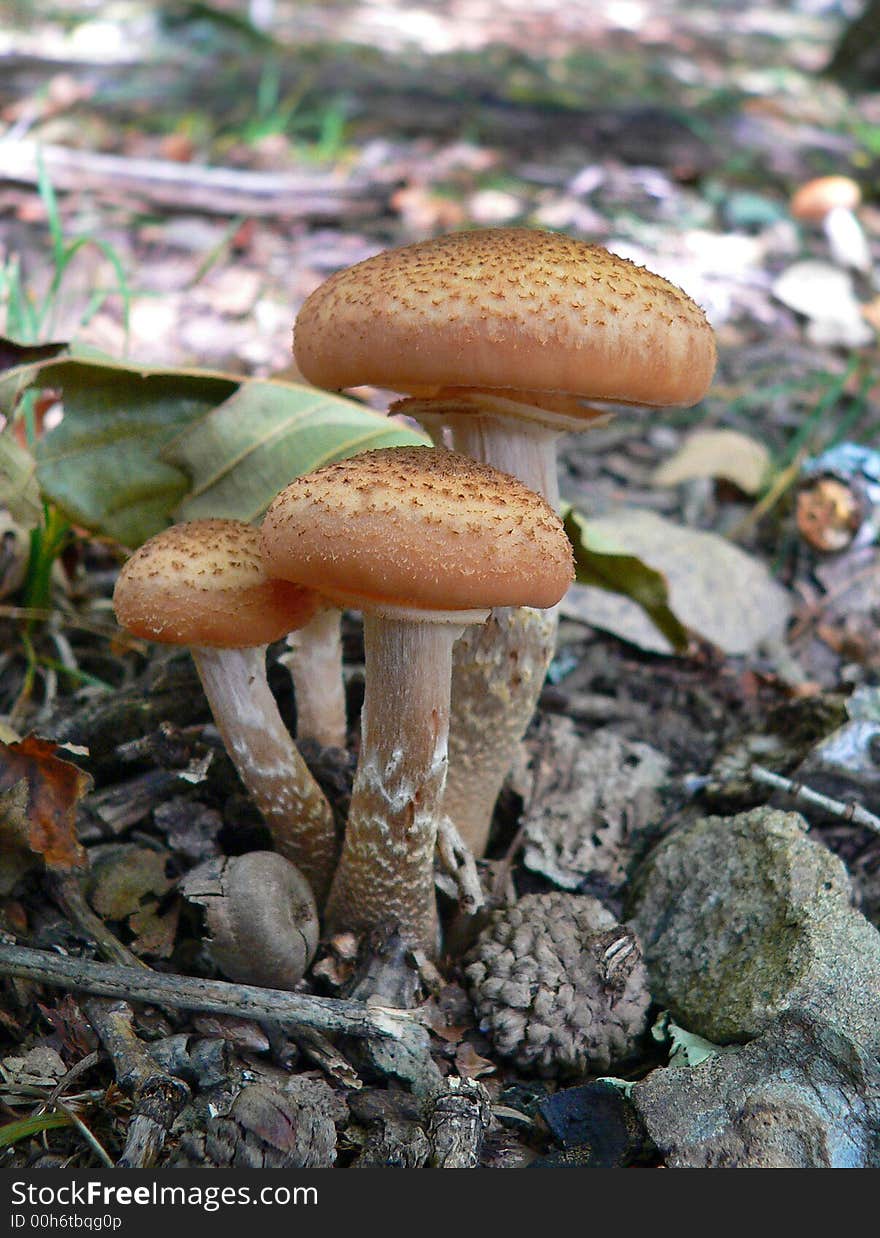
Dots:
pixel 506 308
pixel 204 583
pixel 418 528
pixel 817 197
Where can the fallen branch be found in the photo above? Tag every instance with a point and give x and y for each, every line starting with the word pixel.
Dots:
pixel 133 984
pixel 190 186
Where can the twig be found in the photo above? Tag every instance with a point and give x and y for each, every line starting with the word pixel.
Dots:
pixel 68 892
pixel 323 1053
pixel 91 1139
pixel 158 1097
pixel 851 812
pixel 457 1120
pixel 325 1014
pixel 190 186
pixel 458 861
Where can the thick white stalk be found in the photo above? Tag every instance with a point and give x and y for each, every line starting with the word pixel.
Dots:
pixel 386 871
pixel 513 445
pixel 269 764
pixel 500 667
pixel 315 664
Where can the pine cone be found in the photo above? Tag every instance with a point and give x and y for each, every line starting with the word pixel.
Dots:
pixel 558 986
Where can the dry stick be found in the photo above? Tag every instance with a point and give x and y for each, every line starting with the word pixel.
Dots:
pixel 458 861
pixel 190 186
pixel 158 1096
pixel 851 812
pixel 325 1014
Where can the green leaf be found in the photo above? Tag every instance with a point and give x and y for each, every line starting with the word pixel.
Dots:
pixel 138 447
pixel 239 455
pixel 685 1048
pixel 19 366
pixel 600 563
pixel 19 492
pixel 102 465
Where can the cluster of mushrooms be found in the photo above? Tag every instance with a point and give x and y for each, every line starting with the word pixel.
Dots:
pixel 499 341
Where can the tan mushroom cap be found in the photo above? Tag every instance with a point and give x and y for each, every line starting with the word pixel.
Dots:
pixel 204 583
pixel 817 197
pixel 507 308
pixel 418 528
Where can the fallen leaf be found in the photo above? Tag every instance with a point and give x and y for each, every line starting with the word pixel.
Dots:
pixel 154 929
pixel 470 1065
pixel 71 1027
pixel 39 793
pixel 129 884
pixel 717 453
pixel 715 589
pixel 824 294
pixel 602 562
pixel 19 492
pixel 41 1067
pixel 123 876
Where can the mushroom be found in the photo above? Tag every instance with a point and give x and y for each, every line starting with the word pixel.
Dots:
pixel 558 985
pixel 314 659
pixel 504 335
pixel 261 916
pixel 423 542
pixel 831 201
pixel 203 585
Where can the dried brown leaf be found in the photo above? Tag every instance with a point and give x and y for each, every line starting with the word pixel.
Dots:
pixel 38 809
pixel 469 1063
pixel 717 453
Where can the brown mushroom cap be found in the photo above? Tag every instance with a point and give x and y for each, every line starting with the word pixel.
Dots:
pixel 418 528
pixel 507 308
pixel 817 197
pixel 203 583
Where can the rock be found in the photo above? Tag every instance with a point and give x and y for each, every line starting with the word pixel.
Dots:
pixel 744 918
pixel 802 1096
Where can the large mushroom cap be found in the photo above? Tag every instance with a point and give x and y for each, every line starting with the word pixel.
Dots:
pixel 507 308
pixel 417 528
pixel 203 583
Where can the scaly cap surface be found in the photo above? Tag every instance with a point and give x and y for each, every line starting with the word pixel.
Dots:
pixel 506 308
pixel 420 528
pixel 203 583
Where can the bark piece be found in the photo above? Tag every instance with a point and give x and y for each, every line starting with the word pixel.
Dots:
pixel 591 797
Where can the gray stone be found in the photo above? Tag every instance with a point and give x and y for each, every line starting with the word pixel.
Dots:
pixel 744 918
pixel 802 1096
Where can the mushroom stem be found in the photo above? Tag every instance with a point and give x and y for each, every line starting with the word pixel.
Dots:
pixel 386 871
pixel 269 764
pixel 846 239
pixel 511 445
pixel 498 670
pixel 315 664
pixel 499 667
